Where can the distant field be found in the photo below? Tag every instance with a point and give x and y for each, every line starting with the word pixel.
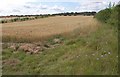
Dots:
pixel 38 29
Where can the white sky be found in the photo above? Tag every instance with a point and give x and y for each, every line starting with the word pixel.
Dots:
pixel 19 7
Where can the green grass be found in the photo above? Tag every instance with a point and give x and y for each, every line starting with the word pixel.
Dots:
pixel 79 55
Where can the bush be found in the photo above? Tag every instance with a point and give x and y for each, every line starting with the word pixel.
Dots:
pixel 113 20
pixel 36 17
pixel 109 15
pixel 103 15
pixel 3 21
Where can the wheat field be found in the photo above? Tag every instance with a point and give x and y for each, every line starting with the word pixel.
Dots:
pixel 35 30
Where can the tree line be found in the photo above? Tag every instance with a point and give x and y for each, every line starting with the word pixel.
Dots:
pixel 57 14
pixel 32 17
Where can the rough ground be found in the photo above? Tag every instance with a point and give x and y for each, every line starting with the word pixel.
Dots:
pixel 33 48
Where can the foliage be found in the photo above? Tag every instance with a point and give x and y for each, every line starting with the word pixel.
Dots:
pixel 109 15
pixel 3 21
pixel 113 20
pixel 103 15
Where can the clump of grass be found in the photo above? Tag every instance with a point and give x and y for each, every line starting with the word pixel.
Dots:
pixel 15 19
pixel 3 21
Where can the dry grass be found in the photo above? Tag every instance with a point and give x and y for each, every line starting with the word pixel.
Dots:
pixel 36 30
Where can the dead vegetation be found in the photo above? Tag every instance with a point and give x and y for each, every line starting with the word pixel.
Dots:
pixel 32 48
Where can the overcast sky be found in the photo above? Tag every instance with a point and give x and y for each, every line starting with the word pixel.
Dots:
pixel 21 7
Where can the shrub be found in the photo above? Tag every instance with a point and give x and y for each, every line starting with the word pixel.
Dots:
pixel 23 19
pixel 103 15
pixel 114 16
pixel 3 21
pixel 36 17
pixel 109 15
